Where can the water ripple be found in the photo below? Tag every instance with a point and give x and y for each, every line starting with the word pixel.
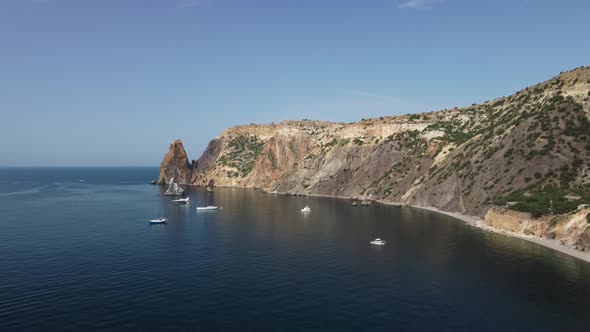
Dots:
pixel 83 257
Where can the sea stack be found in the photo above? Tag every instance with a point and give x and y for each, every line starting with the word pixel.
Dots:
pixel 175 165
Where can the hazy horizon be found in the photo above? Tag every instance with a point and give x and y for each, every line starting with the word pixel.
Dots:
pixel 113 83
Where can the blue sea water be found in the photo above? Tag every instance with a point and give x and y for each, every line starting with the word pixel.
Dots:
pixel 81 256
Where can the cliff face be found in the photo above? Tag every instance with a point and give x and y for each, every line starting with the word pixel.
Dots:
pixel 175 165
pixel 460 160
pixel 572 230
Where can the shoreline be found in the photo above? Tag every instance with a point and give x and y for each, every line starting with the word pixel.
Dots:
pixel 476 222
pixel 473 221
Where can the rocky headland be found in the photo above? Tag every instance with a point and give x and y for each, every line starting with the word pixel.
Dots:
pixel 519 164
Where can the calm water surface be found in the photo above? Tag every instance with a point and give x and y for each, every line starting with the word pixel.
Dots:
pixel 82 256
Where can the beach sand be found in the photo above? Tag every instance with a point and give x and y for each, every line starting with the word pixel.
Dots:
pixel 477 222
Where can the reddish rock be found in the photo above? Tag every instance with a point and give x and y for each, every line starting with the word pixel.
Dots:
pixel 175 165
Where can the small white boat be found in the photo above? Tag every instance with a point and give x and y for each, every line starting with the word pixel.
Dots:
pixel 378 242
pixel 208 208
pixel 306 209
pixel 181 200
pixel 161 220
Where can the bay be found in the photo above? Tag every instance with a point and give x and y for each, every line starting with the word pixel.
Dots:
pixel 82 256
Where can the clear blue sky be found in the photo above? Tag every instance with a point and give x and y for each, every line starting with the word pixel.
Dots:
pixel 113 82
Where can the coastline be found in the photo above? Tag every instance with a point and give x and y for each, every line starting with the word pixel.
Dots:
pixel 468 219
pixel 477 222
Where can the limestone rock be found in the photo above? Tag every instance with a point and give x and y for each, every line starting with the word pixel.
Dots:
pixel 175 165
pixel 456 160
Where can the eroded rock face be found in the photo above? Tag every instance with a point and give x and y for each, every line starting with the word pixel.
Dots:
pixel 175 165
pixel 583 242
pixel 571 229
pixel 209 156
pixel 519 223
pixel 277 158
pixel 458 160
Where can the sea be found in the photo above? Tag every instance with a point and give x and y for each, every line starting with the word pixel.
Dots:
pixel 77 253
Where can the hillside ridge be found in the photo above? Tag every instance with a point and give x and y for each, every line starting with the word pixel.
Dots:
pixel 525 151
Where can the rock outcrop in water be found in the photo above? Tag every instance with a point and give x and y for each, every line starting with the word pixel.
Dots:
pixel 532 148
pixel 175 165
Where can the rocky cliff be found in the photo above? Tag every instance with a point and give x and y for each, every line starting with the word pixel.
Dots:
pixel 571 230
pixel 175 165
pixel 532 147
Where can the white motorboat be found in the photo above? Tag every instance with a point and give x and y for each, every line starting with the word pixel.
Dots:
pixel 161 220
pixel 306 209
pixel 208 208
pixel 378 242
pixel 181 200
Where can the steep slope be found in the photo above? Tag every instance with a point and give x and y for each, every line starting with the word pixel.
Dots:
pixel 532 147
pixel 175 165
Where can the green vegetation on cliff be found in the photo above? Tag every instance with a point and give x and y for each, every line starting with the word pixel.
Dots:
pixel 546 200
pixel 241 154
pixel 532 147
